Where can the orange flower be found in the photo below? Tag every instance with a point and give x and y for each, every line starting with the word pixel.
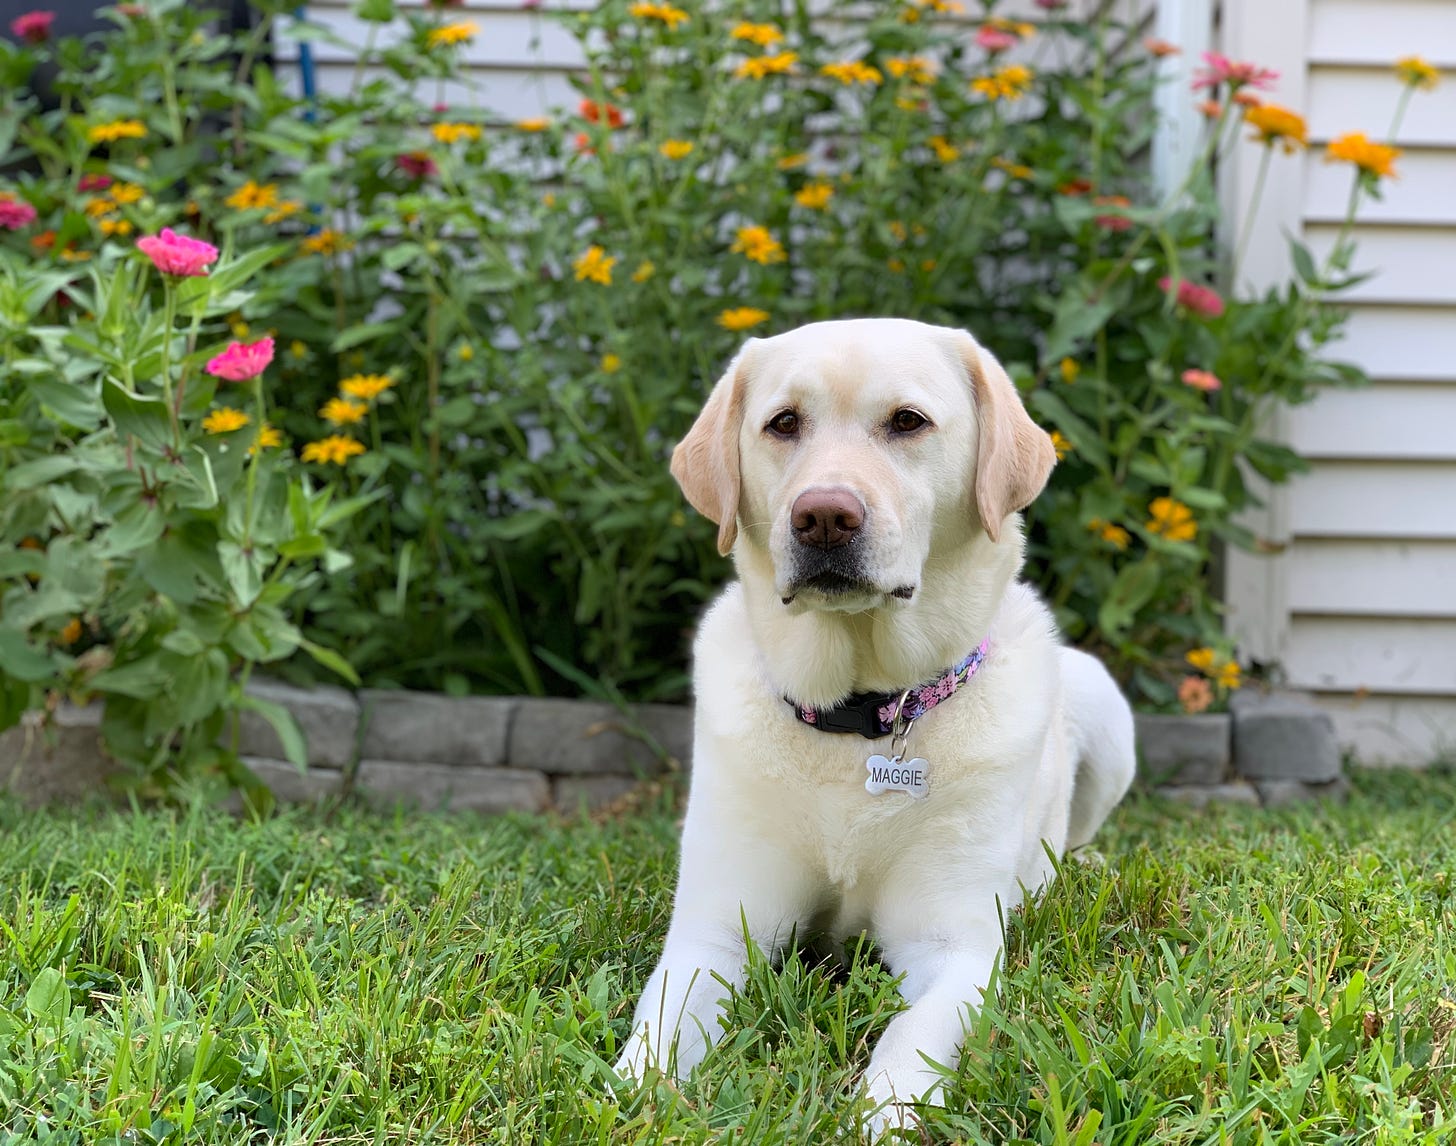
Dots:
pixel 1375 159
pixel 1172 519
pixel 742 317
pixel 779 64
pixel 758 245
pixel 1416 72
pixel 1160 48
pixel 335 449
pixel 1194 694
pixel 1274 124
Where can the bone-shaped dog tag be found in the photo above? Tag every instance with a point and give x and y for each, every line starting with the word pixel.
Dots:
pixel 893 774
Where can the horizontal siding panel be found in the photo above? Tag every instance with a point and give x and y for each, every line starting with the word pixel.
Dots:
pixel 1385 421
pixel 1374 499
pixel 1424 193
pixel 1344 99
pixel 1410 264
pixel 1369 578
pixel 1393 731
pixel 520 39
pixel 1381 31
pixel 1410 344
pixel 1349 654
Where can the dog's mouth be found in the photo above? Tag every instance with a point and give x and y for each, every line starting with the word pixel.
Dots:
pixel 832 584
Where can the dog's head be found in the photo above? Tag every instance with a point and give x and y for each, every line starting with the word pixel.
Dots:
pixel 852 452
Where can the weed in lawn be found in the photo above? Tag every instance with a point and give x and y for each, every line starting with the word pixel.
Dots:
pixel 1231 975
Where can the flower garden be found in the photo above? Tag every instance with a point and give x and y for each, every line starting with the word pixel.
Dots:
pixel 375 387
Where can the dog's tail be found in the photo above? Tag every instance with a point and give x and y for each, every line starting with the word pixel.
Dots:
pixel 1100 733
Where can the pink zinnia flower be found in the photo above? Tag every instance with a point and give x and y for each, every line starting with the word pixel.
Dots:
pixel 241 361
pixel 15 213
pixel 1235 73
pixel 175 254
pixel 33 26
pixel 994 39
pixel 94 182
pixel 1200 300
pixel 1051 5
pixel 1201 380
pixel 416 164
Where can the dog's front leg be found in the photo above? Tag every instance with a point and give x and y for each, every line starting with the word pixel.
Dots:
pixel 725 883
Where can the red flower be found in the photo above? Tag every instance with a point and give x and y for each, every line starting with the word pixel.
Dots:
pixel 241 361
pixel 1075 187
pixel 1222 70
pixel 1113 222
pixel 1200 300
pixel 15 213
pixel 594 112
pixel 995 40
pixel 416 164
pixel 94 182
pixel 33 26
pixel 175 254
pixel 1201 379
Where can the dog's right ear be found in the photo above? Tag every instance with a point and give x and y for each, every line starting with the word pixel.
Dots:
pixel 705 463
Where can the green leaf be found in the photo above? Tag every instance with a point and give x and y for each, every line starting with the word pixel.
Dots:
pixel 331 660
pixel 40 471
pixel 49 997
pixel 143 679
pixel 284 723
pixel 243 569
pixel 133 529
pixel 20 659
pixel 367 332
pixel 1132 588
pixel 145 418
pixel 310 545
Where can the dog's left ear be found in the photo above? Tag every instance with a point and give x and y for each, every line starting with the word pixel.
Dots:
pixel 705 463
pixel 1014 456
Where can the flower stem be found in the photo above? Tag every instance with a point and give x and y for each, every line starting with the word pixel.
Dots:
pixel 257 457
pixel 169 294
pixel 1253 210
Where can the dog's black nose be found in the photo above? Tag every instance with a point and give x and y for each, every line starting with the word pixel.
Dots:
pixel 826 518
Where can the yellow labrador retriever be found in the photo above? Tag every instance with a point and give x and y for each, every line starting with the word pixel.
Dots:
pixel 887 725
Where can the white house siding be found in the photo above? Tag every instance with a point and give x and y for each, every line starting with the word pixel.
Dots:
pixel 1360 609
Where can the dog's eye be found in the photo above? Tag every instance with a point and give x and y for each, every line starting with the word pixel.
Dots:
pixel 907 421
pixel 785 424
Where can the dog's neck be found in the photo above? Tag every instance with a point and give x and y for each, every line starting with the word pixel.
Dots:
pixel 819 658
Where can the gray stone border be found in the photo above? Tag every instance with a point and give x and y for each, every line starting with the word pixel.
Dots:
pixel 497 754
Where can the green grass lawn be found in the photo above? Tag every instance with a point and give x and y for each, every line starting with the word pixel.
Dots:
pixel 1229 976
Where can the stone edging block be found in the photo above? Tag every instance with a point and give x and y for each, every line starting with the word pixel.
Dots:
pixel 568 737
pixel 328 716
pixel 1185 749
pixel 435 787
pixel 428 728
pixel 1282 736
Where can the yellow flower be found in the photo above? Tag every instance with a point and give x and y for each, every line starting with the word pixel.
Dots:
pixel 789 162
pixel 917 69
pixel 1416 72
pixel 115 227
pixel 99 207
pixel 1202 659
pixel 366 387
pixel 466 353
pixel 669 15
pixel 595 265
pixel 72 631
pixel 896 265
pixel 1375 158
pixel 126 193
pixel 815 196
pixel 447 34
pixel 764 35
pixel 251 195
pixel 283 210
pixel 335 448
pixel 455 132
pixel 224 420
pixel 676 148
pixel 1229 676
pixel 852 72
pixel 535 123
pixel 757 245
pixel 645 270
pixel 1010 83
pixel 944 150
pixel 342 412
pixel 912 14
pixel 117 129
pixel 742 317
pixel 1172 519
pixel 1115 534
pixel 268 439
pixel 897 229
pixel 611 363
pixel 1069 370
pixel 1061 444
pixel 326 242
pixel 1015 170
pixel 1015 27
pixel 1274 124
pixel 776 65
pixel 239 328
